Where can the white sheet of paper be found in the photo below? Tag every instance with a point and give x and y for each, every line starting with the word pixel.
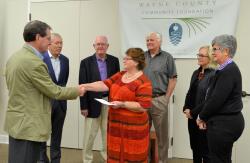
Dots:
pixel 103 101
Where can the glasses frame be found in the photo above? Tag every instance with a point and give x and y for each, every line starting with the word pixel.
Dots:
pixel 127 59
pixel 100 44
pixel 218 49
pixel 202 56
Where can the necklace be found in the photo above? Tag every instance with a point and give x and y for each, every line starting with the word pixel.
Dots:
pixel 128 77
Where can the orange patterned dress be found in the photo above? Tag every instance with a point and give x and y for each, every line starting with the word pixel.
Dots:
pixel 128 131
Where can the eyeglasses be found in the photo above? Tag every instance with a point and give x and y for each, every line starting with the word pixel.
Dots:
pixel 201 55
pixel 216 49
pixel 127 58
pixel 100 44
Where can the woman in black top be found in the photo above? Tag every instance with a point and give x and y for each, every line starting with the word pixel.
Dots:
pixel 221 113
pixel 195 96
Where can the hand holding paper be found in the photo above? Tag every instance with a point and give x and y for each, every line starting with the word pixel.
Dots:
pixel 104 102
pixel 118 104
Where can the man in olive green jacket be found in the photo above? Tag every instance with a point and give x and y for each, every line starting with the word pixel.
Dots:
pixel 28 117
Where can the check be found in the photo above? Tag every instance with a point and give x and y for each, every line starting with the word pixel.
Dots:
pixel 103 101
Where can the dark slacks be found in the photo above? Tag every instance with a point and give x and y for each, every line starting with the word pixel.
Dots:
pixel 57 120
pixel 23 151
pixel 222 132
pixel 198 142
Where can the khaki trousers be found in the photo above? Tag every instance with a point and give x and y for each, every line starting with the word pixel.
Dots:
pixel 158 114
pixel 91 128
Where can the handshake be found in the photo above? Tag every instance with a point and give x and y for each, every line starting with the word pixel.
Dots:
pixel 98 86
pixel 81 89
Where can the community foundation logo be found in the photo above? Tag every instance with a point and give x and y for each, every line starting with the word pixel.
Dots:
pixel 175 33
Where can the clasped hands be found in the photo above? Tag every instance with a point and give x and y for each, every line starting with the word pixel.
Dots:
pixel 187 113
pixel 81 89
pixel 200 123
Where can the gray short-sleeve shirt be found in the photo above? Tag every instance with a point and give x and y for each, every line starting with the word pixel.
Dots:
pixel 159 70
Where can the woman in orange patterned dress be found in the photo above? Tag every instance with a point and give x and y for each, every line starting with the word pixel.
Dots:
pixel 128 125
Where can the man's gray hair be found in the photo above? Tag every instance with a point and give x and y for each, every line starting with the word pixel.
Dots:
pixel 53 35
pixel 158 35
pixel 226 41
pixel 103 37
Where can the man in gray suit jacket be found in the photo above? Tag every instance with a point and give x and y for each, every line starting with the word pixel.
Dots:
pixel 28 116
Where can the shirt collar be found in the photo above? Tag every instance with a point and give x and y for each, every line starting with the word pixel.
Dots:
pixel 222 66
pixel 51 56
pixel 100 59
pixel 38 54
pixel 156 54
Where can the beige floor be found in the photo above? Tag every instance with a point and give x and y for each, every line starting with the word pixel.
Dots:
pixel 73 156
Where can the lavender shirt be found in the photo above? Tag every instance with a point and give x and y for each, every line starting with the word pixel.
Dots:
pixel 222 66
pixel 102 66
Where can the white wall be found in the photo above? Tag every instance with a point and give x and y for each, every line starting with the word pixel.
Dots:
pixel 185 68
pixel 243 59
pixel 2 20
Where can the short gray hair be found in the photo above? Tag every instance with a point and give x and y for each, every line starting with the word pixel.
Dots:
pixel 158 35
pixel 226 41
pixel 103 38
pixel 53 35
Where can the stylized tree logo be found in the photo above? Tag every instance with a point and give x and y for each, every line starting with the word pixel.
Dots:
pixel 195 24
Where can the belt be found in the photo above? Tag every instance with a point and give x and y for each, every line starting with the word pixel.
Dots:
pixel 158 94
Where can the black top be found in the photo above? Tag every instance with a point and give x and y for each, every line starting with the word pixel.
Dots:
pixel 224 94
pixel 197 90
